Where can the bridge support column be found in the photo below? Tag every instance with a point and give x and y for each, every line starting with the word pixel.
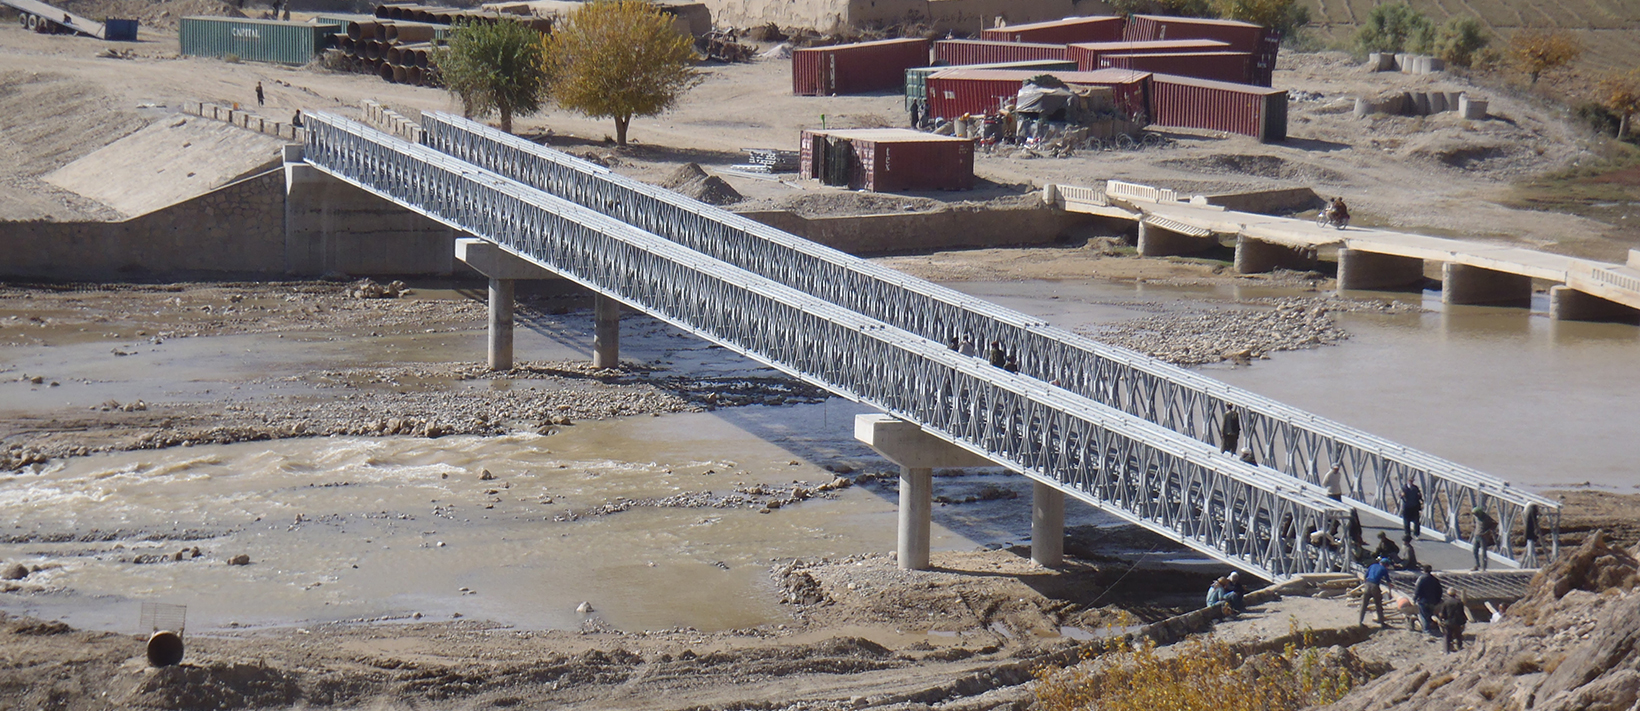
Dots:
pixel 1568 304
pixel 1464 284
pixel 606 332
pixel 503 269
pixel 1257 256
pixel 1047 525
pixel 1369 270
pixel 918 453
pixel 501 324
pixel 1158 242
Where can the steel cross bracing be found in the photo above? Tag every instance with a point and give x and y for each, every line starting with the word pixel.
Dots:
pixel 1251 518
pixel 1289 440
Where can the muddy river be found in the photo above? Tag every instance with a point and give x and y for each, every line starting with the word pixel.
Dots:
pixel 395 528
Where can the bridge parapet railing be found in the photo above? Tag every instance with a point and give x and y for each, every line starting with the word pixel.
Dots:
pixel 1135 191
pixel 1286 439
pixel 1154 477
pixel 1062 195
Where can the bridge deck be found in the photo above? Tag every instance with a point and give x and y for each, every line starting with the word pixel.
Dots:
pixel 1607 280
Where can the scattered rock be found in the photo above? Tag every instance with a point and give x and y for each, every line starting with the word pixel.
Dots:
pixel 16 571
pixel 240 559
pixel 584 608
pixel 486 476
pixel 369 289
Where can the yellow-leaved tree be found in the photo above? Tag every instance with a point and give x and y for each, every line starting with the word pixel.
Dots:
pixel 1538 51
pixel 619 58
pixel 1621 94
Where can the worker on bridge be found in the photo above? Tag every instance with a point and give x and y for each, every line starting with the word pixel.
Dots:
pixel 1230 431
pixel 1412 509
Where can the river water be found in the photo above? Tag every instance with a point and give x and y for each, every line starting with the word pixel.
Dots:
pixel 369 528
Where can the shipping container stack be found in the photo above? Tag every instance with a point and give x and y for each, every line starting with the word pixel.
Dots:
pixel 397 42
pixel 856 68
pixel 978 92
pixel 1095 28
pixel 1261 43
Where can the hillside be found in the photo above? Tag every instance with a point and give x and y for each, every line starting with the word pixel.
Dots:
pixel 1609 29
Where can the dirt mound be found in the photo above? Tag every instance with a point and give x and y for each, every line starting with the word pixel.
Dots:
pixel 1569 644
pixel 150 13
pixel 827 204
pixel 1255 165
pixel 214 686
pixel 691 180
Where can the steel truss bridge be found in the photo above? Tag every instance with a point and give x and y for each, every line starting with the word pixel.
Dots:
pixel 1108 426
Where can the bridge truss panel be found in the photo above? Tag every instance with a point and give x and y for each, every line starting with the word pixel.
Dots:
pixel 1292 441
pixel 1168 483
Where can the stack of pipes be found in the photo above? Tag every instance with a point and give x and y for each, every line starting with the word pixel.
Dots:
pixel 397 45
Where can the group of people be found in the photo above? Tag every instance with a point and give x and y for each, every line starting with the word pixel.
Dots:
pixel 1437 612
pixel 996 355
pixel 1228 591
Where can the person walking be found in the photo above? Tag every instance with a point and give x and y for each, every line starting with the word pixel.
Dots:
pixel 1453 617
pixel 1486 535
pixel 999 357
pixel 1334 483
pixel 1427 593
pixel 1229 431
pixel 259 97
pixel 1373 591
pixel 1412 510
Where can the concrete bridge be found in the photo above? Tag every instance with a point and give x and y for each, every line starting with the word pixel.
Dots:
pixel 1109 427
pixel 1471 272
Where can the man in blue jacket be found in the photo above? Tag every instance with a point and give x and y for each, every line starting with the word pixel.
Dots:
pixel 1427 593
pixel 1377 575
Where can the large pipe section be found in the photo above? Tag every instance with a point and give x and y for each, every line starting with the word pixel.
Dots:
pixel 407 32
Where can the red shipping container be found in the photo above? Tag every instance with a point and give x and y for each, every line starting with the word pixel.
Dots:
pixel 1087 54
pixel 1186 102
pixel 856 68
pixel 1217 66
pixel 959 52
pixel 1098 28
pixel 1264 44
pixel 888 159
pixel 955 92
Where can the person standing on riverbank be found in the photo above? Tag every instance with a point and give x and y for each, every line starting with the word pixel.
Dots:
pixel 1453 618
pixel 259 95
pixel 1427 593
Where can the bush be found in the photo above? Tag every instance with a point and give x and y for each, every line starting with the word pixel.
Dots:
pixel 1459 41
pixel 1598 117
pixel 1538 51
pixel 1179 8
pixel 1285 16
pixel 1395 27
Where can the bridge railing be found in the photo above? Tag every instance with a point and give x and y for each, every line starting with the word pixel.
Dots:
pixel 1289 440
pixel 1164 481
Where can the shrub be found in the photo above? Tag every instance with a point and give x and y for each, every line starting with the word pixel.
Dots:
pixel 1285 16
pixel 1459 40
pixel 1395 27
pixel 1538 51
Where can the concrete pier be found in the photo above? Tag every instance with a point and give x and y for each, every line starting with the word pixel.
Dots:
pixel 1257 256
pixel 1464 284
pixel 1370 270
pixel 918 454
pixel 1158 242
pixel 1047 525
pixel 606 333
pixel 1568 304
pixel 501 324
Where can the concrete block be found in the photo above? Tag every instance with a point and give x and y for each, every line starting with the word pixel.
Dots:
pixel 1464 284
pixel 1362 107
pixel 1434 64
pixel 1634 258
pixel 1437 102
pixel 1472 109
pixel 1452 99
pixel 1157 242
pixel 1369 270
pixel 1568 304
pixel 1403 62
pixel 1420 103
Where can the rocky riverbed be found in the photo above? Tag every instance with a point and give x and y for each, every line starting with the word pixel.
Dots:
pixel 1211 334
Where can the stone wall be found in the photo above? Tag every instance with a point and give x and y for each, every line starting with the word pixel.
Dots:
pixel 922 232
pixel 234 230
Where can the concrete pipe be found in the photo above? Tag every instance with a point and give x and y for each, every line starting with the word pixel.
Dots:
pixel 413 75
pixel 400 75
pixel 345 43
pixel 407 33
pixel 363 30
pixel 22 19
pixel 31 21
pixel 422 59
pixel 164 649
pixel 394 54
pixel 385 71
pixel 373 50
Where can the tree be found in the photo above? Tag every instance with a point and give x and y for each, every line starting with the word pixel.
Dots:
pixel 1395 27
pixel 1538 51
pixel 1285 16
pixel 1177 8
pixel 1459 40
pixel 1621 94
pixel 494 67
pixel 619 58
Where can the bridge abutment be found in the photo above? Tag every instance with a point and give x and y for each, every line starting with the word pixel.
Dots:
pixel 1370 270
pixel 918 453
pixel 333 227
pixel 1568 304
pixel 1160 242
pixel 1464 284
pixel 1047 525
pixel 1257 256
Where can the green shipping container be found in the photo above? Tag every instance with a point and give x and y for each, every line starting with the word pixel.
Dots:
pixel 255 40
